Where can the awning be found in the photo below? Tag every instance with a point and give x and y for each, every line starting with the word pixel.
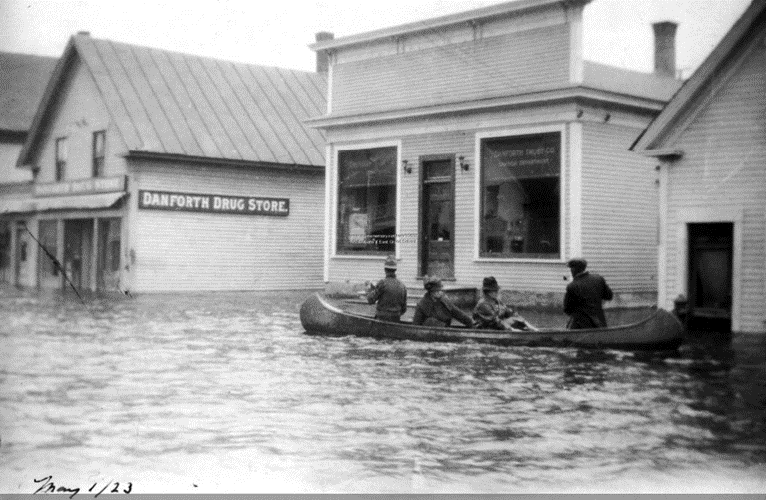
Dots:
pixel 81 202
pixel 16 206
pixel 105 200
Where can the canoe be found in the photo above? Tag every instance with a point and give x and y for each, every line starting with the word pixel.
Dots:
pixel 661 330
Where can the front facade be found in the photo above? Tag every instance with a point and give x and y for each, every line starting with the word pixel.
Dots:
pixel 159 172
pixel 483 144
pixel 709 146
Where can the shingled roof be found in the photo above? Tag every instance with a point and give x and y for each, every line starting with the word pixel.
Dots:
pixel 168 103
pixel 22 83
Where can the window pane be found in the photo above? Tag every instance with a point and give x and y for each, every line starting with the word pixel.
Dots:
pixel 520 196
pixel 367 200
pixel 61 149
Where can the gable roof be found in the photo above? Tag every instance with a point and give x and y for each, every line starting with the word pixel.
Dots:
pixel 652 137
pixel 173 104
pixel 22 83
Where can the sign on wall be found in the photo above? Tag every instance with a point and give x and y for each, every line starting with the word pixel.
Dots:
pixel 81 186
pixel 212 203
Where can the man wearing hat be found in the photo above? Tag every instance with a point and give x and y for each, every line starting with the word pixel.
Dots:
pixel 582 301
pixel 390 294
pixel 489 313
pixel 492 314
pixel 435 309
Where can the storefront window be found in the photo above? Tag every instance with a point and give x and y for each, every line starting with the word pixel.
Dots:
pixel 109 253
pixel 520 196
pixel 367 201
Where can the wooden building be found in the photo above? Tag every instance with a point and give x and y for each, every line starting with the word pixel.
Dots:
pixel 22 83
pixel 482 143
pixel 709 145
pixel 160 171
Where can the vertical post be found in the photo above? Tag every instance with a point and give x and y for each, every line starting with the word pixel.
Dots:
pixel 94 257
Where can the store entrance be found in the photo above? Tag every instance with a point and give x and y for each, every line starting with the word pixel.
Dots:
pixel 78 250
pixel 437 256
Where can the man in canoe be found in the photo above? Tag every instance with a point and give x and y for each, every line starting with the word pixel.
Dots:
pixel 582 301
pixel 492 314
pixel 435 309
pixel 390 294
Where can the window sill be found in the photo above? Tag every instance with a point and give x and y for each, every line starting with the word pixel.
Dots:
pixel 557 260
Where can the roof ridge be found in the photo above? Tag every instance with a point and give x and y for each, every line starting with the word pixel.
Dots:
pixel 189 54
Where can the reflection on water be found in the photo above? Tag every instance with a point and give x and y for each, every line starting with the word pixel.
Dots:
pixel 223 393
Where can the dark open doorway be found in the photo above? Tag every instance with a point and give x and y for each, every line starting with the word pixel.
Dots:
pixel 710 277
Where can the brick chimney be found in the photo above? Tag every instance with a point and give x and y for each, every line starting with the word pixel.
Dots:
pixel 323 59
pixel 665 48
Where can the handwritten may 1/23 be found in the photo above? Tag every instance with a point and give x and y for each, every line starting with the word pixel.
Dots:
pixel 48 486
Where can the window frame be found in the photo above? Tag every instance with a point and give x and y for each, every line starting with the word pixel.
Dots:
pixel 94 154
pixel 563 183
pixel 337 149
pixel 58 161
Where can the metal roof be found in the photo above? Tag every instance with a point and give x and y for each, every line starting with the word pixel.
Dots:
pixel 22 82
pixel 170 103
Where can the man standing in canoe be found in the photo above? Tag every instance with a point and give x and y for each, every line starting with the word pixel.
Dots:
pixel 390 294
pixel 435 309
pixel 582 301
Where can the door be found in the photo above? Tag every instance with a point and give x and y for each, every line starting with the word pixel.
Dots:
pixel 77 251
pixel 710 276
pixel 108 263
pixel 437 225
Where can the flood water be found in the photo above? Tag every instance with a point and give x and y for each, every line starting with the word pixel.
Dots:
pixel 225 393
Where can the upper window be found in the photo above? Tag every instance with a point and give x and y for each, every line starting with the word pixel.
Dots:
pixel 367 201
pixel 99 147
pixel 61 154
pixel 520 196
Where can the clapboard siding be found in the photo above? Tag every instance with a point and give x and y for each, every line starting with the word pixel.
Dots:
pixel 724 168
pixel 184 251
pixel 498 65
pixel 80 111
pixel 619 208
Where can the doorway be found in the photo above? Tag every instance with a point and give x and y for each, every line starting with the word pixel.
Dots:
pixel 710 276
pixel 78 248
pixel 21 251
pixel 437 224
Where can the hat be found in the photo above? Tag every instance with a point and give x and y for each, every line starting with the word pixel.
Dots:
pixel 390 263
pixel 578 262
pixel 432 283
pixel 490 284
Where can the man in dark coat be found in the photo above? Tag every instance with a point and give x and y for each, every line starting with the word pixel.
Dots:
pixel 584 294
pixel 435 309
pixel 390 294
pixel 491 313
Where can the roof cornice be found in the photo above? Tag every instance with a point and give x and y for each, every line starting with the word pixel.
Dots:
pixel 526 99
pixel 475 15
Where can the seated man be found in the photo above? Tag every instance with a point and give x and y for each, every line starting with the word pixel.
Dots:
pixel 435 309
pixel 389 294
pixel 492 314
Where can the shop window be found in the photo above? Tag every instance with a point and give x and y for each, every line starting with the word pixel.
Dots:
pixel 99 149
pixel 367 201
pixel 520 196
pixel 61 156
pixel 48 238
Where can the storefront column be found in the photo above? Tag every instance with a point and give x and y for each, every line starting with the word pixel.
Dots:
pixel 94 257
pixel 60 249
